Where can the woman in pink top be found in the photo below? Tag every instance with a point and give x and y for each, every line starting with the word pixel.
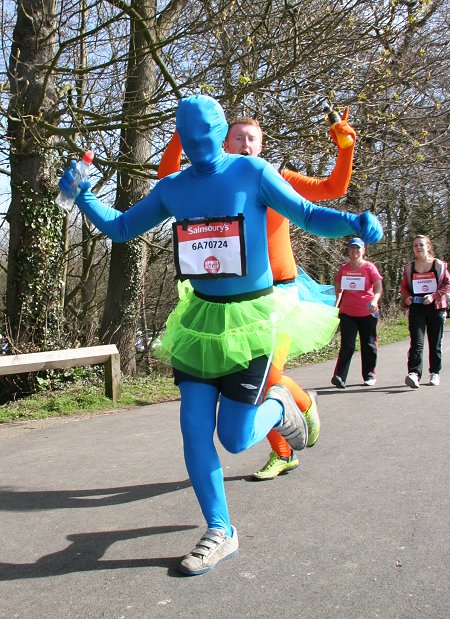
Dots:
pixel 358 290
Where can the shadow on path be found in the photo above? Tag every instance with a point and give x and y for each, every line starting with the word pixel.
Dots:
pixel 360 388
pixel 30 500
pixel 85 552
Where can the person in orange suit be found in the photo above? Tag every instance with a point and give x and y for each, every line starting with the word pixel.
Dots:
pixel 245 137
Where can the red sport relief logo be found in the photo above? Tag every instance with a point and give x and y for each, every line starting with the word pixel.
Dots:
pixel 212 265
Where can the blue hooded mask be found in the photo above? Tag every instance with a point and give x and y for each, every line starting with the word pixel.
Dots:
pixel 202 127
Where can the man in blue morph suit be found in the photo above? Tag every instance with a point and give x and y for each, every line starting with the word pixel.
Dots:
pixel 221 336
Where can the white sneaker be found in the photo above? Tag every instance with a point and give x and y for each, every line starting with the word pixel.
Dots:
pixel 370 382
pixel 434 380
pixel 412 380
pixel 212 548
pixel 294 426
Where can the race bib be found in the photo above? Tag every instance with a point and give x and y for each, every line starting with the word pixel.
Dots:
pixel 424 283
pixel 353 281
pixel 210 247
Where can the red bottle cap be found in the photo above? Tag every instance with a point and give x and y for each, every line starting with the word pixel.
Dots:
pixel 88 156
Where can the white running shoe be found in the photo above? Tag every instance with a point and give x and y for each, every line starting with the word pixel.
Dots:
pixel 294 426
pixel 412 380
pixel 370 382
pixel 213 547
pixel 434 379
pixel 338 382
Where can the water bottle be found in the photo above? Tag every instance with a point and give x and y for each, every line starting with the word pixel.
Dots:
pixel 81 173
pixel 344 141
pixel 376 313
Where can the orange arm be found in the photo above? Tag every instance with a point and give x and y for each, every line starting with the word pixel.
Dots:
pixel 335 185
pixel 281 256
pixel 171 159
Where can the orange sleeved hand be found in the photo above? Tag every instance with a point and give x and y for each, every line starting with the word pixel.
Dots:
pixel 171 159
pixel 335 185
pixel 342 128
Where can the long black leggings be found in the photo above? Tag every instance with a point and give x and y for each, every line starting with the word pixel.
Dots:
pixel 425 319
pixel 350 326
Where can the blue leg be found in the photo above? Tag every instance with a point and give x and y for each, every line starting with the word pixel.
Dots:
pixel 198 422
pixel 242 425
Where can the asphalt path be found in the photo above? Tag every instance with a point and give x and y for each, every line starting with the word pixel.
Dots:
pixel 96 512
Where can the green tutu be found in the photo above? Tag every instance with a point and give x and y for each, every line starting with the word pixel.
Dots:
pixel 208 339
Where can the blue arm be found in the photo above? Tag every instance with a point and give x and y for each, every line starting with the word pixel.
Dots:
pixel 118 226
pixel 321 221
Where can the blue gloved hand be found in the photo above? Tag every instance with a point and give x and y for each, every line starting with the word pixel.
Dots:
pixel 67 180
pixel 68 185
pixel 369 227
pixel 84 186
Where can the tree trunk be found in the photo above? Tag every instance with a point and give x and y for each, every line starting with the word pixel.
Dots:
pixel 120 317
pixel 35 256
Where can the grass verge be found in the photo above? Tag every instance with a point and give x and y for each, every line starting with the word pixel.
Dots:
pixel 87 397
